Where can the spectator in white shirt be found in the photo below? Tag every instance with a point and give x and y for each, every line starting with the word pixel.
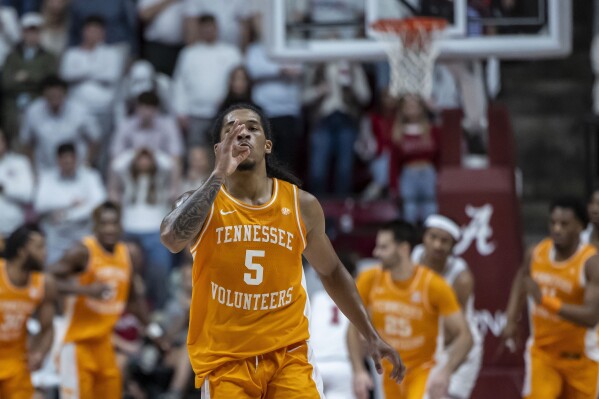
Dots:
pixel 233 16
pixel 16 187
pixel 140 180
pixel 163 32
pixel 52 120
pixel 65 199
pixel 200 81
pixel 94 70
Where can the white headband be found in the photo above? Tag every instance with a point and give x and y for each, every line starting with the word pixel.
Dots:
pixel 443 223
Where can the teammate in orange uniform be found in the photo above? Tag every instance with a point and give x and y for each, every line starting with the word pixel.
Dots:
pixel 248 226
pixel 24 290
pixel 406 301
pixel 98 275
pixel 561 276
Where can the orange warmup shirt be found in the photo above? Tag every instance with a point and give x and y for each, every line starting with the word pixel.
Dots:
pixel 406 313
pixel 91 318
pixel 17 304
pixel 564 280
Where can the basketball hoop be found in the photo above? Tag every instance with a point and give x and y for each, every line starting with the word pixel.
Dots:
pixel 412 49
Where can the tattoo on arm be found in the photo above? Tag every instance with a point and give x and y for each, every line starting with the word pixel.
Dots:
pixel 187 219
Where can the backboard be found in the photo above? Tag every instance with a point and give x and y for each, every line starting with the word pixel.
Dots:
pixel 319 30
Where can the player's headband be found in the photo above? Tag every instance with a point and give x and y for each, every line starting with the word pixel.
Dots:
pixel 443 223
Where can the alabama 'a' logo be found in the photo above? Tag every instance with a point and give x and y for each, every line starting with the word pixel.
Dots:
pixel 478 230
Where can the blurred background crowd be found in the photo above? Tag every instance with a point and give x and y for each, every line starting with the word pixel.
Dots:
pixel 115 99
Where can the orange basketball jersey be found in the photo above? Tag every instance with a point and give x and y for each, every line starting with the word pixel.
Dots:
pixel 406 313
pixel 91 318
pixel 248 283
pixel 566 281
pixel 17 304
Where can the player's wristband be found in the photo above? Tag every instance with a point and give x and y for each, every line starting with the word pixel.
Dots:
pixel 551 303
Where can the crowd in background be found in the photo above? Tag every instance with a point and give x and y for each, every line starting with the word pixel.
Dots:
pixel 115 99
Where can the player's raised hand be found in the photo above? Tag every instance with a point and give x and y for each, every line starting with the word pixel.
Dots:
pixel 228 153
pixel 379 349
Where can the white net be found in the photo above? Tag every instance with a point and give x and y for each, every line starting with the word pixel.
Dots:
pixel 412 49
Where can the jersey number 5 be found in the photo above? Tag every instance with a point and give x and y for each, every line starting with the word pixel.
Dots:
pixel 256 267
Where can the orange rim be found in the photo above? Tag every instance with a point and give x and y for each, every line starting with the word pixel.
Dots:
pixel 409 25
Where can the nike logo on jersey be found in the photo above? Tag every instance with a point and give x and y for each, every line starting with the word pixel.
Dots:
pixel 226 213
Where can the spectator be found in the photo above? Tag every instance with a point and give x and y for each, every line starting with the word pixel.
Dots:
pixel 379 129
pixel 10 33
pixel 147 128
pixel 200 81
pixel 65 199
pixel 233 17
pixel 416 141
pixel 199 167
pixel 142 77
pixel 140 180
pixel 337 91
pixel 163 32
pixel 277 89
pixel 240 88
pixel 120 20
pixel 16 188
pixel 25 68
pixel 94 70
pixel 55 32
pixel 51 120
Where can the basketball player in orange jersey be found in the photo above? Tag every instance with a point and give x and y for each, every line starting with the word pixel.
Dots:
pixel 24 290
pixel 98 277
pixel 248 227
pixel 406 301
pixel 560 276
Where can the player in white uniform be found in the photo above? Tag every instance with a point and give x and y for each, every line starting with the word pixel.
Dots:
pixel 590 235
pixel 436 252
pixel 328 335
